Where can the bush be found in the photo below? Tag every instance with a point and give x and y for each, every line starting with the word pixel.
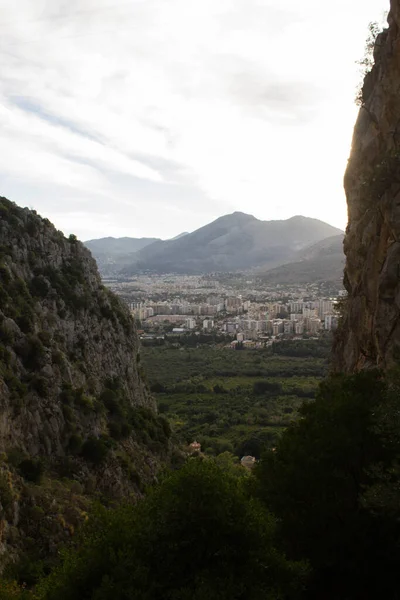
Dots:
pixel 6 495
pixel 114 429
pixel 196 536
pixel 75 444
pixel 41 385
pixel 318 478
pixel 111 401
pixel 31 469
pixel 32 353
pixel 94 450
pixel 263 387
pixel 39 286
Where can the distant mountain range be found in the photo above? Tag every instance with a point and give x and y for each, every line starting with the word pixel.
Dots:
pixel 234 242
pixel 323 261
pixel 112 254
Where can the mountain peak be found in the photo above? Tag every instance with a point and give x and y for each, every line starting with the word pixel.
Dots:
pixel 233 242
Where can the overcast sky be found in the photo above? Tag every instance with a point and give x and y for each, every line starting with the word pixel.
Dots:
pixel 152 117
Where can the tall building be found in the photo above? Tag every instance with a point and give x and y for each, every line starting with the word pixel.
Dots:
pixel 331 322
pixel 261 326
pixel 277 327
pixel 288 327
pixel 325 307
pixel 190 323
pixel 299 328
pixel 296 307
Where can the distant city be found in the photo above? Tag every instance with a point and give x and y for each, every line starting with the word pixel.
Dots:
pixel 246 312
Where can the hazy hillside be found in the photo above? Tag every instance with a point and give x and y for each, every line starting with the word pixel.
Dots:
pixel 112 254
pixel 233 242
pixel 323 261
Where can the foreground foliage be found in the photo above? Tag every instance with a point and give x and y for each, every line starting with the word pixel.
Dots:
pixel 207 531
pixel 332 482
pixel 197 535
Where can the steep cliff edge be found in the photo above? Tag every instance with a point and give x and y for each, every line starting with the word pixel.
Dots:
pixel 75 413
pixel 369 334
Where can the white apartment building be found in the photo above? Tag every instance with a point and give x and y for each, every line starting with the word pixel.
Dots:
pixel 296 307
pixel 325 307
pixel 190 323
pixel 277 327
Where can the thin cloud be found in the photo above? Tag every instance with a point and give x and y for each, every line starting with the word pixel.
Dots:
pixel 199 107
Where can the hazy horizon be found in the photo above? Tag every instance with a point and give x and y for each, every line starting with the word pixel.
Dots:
pixel 200 226
pixel 144 119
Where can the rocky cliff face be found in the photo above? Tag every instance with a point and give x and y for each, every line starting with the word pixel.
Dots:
pixel 370 331
pixel 73 403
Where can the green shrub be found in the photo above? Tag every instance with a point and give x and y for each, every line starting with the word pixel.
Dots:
pixel 6 495
pixel 75 444
pixel 114 429
pixel 68 413
pixel 346 444
pixel 45 337
pixel 31 352
pixel 263 387
pixel 198 535
pixel 111 401
pixel 94 450
pixel 15 456
pixel 41 385
pixel 31 469
pixel 39 286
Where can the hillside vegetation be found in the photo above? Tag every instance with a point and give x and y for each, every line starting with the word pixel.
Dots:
pixel 76 419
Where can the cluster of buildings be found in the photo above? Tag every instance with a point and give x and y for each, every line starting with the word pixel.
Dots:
pixel 239 317
pixel 180 311
pixel 240 306
pixel 293 318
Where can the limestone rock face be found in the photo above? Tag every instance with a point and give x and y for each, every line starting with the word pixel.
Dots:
pixel 369 334
pixel 64 338
pixel 76 419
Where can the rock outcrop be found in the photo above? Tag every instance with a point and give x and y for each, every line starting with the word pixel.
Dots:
pixel 369 334
pixel 74 406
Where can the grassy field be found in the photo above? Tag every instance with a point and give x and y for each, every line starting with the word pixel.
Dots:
pixel 236 401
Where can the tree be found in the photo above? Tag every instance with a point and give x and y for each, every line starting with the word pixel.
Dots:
pixel 317 483
pixel 367 62
pixel 197 535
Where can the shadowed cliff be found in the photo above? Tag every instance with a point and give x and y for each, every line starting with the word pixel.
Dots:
pixel 369 334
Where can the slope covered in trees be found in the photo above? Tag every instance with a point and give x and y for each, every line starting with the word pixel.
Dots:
pixel 207 531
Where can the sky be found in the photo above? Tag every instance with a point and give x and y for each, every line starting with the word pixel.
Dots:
pixel 146 118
